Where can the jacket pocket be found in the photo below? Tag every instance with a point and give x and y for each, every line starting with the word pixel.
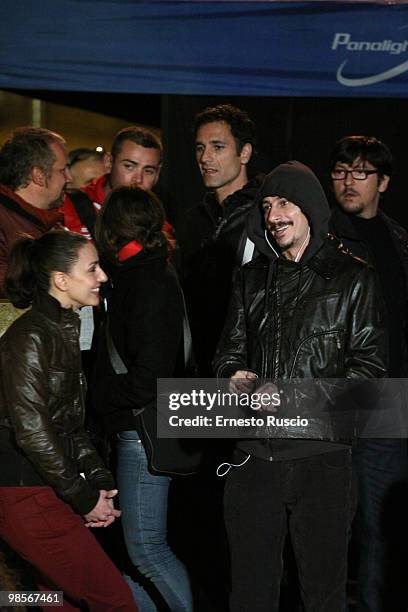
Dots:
pixel 63 384
pixel 319 356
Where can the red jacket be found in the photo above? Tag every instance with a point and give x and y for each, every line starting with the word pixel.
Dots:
pixel 19 217
pixel 96 193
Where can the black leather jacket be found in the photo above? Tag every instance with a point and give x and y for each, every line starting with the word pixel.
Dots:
pixel 321 320
pixel 392 274
pixel 42 437
pixel 342 227
pixel 318 321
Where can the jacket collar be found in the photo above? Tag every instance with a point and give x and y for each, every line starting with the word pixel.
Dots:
pixel 96 191
pixel 47 305
pixel 142 260
pixel 244 196
pixel 341 224
pixel 326 262
pixel 329 260
pixel 44 219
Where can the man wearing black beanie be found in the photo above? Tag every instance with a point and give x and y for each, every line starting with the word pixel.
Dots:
pixel 302 309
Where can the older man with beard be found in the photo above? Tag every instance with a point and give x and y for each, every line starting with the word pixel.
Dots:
pixel 33 175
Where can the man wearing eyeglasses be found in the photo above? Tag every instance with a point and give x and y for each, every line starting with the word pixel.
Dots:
pixel 361 168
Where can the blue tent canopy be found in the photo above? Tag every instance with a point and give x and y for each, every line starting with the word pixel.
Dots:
pixel 346 49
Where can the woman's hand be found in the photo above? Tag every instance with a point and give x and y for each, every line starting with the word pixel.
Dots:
pixel 103 514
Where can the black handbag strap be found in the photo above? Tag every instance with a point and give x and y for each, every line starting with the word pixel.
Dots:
pixel 189 361
pixel 115 359
pixel 117 362
pixel 166 457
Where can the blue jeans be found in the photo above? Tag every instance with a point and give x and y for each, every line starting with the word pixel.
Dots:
pixel 143 501
pixel 381 469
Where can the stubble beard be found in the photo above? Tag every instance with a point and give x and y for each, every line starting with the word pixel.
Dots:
pixel 351 208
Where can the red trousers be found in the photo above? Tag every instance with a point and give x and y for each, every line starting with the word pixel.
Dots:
pixel 53 538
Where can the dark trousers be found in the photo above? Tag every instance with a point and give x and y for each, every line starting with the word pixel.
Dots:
pixel 46 532
pixel 308 498
pixel 381 524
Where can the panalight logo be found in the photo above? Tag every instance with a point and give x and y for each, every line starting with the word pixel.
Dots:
pixel 344 41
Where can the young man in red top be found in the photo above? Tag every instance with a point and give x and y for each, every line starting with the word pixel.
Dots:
pixel 135 158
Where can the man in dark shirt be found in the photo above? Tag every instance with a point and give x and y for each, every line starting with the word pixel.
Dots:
pixel 211 237
pixel 360 170
pixel 213 241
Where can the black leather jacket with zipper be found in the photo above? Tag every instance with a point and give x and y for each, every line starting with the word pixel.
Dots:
pixel 319 318
pixel 42 435
pixel 323 320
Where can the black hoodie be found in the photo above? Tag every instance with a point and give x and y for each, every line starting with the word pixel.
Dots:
pixel 289 332
pixel 298 184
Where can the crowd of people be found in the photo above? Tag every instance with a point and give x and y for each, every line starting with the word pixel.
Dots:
pixel 276 287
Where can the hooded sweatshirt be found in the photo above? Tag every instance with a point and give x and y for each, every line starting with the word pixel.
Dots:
pixel 297 183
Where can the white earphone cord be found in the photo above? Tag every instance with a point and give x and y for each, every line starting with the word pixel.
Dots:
pixel 223 472
pixel 303 244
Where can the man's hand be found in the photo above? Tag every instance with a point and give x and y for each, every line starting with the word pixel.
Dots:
pixel 268 390
pixel 103 514
pixel 242 381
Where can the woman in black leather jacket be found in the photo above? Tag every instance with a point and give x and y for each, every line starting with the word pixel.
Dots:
pixel 52 483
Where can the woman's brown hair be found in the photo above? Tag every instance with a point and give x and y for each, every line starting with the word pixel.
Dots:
pixel 130 213
pixel 32 261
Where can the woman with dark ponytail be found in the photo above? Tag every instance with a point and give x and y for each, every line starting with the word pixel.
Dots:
pixel 145 314
pixel 53 485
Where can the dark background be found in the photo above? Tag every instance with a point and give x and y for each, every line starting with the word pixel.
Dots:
pixel 288 128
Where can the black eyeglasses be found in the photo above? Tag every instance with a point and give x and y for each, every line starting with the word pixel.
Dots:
pixel 359 174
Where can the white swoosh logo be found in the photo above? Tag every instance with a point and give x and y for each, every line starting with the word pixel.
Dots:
pixel 371 80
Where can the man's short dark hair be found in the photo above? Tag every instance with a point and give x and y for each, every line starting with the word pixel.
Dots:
pixel 366 148
pixel 140 136
pixel 242 127
pixel 25 149
pixel 83 153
